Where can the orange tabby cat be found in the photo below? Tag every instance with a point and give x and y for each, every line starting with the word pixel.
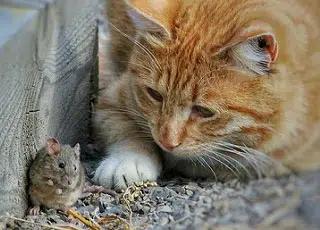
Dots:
pixel 224 87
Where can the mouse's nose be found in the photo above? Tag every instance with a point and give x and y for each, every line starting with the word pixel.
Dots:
pixel 68 180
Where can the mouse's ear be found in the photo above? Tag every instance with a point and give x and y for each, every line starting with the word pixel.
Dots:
pixel 53 146
pixel 77 149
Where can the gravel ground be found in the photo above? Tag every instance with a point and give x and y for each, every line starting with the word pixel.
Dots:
pixel 284 203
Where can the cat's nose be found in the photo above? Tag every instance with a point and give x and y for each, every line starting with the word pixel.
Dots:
pixel 169 145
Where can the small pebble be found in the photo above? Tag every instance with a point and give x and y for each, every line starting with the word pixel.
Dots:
pixel 189 192
pixel 165 208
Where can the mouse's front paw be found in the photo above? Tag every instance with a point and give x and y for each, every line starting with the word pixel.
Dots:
pixel 58 191
pixel 120 170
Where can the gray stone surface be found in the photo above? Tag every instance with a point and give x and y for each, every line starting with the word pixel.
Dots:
pixel 47 67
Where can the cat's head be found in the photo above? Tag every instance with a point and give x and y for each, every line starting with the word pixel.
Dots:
pixel 203 76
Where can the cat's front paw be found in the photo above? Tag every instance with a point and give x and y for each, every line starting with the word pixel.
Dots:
pixel 120 170
pixel 34 211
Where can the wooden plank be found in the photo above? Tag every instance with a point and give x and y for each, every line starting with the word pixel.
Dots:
pixel 47 75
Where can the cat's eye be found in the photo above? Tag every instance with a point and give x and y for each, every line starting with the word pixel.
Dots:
pixel 61 165
pixel 155 94
pixel 201 111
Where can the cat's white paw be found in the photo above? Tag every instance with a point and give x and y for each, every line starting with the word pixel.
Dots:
pixel 120 170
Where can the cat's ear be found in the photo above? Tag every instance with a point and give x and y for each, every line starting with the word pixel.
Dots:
pixel 152 16
pixel 256 53
pixel 53 146
pixel 76 149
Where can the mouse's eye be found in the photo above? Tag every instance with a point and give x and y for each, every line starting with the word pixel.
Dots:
pixel 61 165
pixel 75 168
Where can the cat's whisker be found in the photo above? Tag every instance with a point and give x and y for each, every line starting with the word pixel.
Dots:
pixel 250 158
pixel 146 134
pixel 247 158
pixel 216 155
pixel 193 164
pixel 233 162
pixel 126 111
pixel 141 124
pixel 225 158
pixel 205 151
pixel 201 159
pixel 258 160
pixel 145 130
pixel 260 164
pixel 197 158
pixel 239 163
pixel 138 44
pixel 136 113
pixel 261 158
pixel 142 66
pixel 145 139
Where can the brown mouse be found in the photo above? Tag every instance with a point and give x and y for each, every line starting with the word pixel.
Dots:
pixel 56 177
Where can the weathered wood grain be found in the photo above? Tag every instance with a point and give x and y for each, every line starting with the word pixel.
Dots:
pixel 47 75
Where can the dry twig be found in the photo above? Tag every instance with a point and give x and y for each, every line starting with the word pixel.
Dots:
pixel 88 223
pixel 132 193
